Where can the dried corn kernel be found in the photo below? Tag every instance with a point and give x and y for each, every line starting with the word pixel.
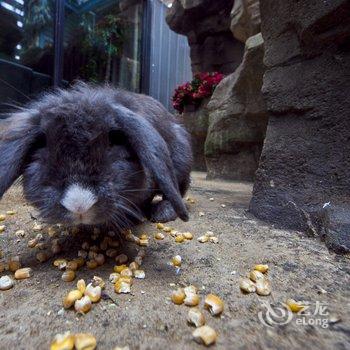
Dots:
pixel 14 264
pixel 2 228
pixel 214 304
pixel 205 335
pixel 143 242
pixel 261 268
pixel 160 226
pixel 294 306
pixel 68 276
pixel 247 285
pixel 192 299
pixel 83 305
pixel 176 260
pixel 113 277
pixel 72 265
pixel 159 236
pixel 188 235
pixel 84 341
pixel 71 298
pixel 63 342
pixel 119 268
pixel 11 212
pixel 126 272
pixel 256 275
pixel 98 281
pixel 203 239
pixel 178 296
pixel 122 287
pixel 80 261
pixel 81 286
pixel 214 240
pixel 91 264
pixel 51 231
pixel 133 266
pixel 37 227
pixel 196 317
pixel 94 293
pixel 111 253
pixel 2 217
pixel 6 282
pixel 263 287
pixel 42 257
pixel 167 229
pixel 121 259
pixel 140 274
pixel 60 263
pixel 100 259
pixel 179 239
pixel 23 273
pixel 82 254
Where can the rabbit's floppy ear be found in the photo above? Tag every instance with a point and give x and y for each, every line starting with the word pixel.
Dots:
pixel 15 144
pixel 153 153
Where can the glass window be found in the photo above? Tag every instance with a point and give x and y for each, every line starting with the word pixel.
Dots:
pixel 26 49
pixel 102 42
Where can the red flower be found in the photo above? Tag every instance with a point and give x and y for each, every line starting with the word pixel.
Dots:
pixel 192 93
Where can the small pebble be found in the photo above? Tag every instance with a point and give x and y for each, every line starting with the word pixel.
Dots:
pixel 6 283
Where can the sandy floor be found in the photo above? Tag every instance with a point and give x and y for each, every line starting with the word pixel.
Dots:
pixel 300 268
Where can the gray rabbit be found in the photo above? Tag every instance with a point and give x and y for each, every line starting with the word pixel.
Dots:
pixel 98 155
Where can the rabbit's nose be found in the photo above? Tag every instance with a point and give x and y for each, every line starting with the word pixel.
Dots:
pixel 78 199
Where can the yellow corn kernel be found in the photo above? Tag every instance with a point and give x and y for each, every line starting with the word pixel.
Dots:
pixel 160 226
pixel 119 268
pixel 81 286
pixel 178 296
pixel 14 264
pixel 11 212
pixel 203 239
pixel 91 264
pixel 176 260
pixel 167 229
pixel 94 293
pixel 71 298
pixel 214 304
pixel 37 227
pixel 195 317
pixel 121 259
pixel 2 228
pixel 205 335
pixel 23 273
pixel 83 305
pixel 126 272
pixel 261 268
pixel 100 259
pixel 143 242
pixel 2 217
pixel 247 286
pixel 113 277
pixel 133 266
pixel 122 287
pixel 191 299
pixel 68 276
pixel 84 341
pixel 139 274
pixel 263 287
pixel 63 342
pixel 294 306
pixel 188 235
pixel 72 265
pixel 60 262
pixel 179 239
pixel 98 281
pixel 159 236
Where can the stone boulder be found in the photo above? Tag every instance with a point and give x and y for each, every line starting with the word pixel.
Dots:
pixel 245 19
pixel 196 123
pixel 206 24
pixel 238 119
pixel 303 179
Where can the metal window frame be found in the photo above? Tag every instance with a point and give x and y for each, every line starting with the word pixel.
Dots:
pixel 145 44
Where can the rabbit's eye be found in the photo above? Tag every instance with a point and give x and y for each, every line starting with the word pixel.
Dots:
pixel 117 138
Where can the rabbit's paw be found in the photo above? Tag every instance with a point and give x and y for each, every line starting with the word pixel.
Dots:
pixel 162 211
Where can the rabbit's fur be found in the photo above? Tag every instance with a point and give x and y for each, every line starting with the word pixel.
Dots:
pixel 98 155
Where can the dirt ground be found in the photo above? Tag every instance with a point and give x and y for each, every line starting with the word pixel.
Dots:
pixel 300 268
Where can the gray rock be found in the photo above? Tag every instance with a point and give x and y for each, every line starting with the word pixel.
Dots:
pixel 238 119
pixel 306 156
pixel 206 24
pixel 245 19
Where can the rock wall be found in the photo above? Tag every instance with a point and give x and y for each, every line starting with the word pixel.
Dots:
pixel 206 24
pixel 238 119
pixel 303 179
pixel 196 123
